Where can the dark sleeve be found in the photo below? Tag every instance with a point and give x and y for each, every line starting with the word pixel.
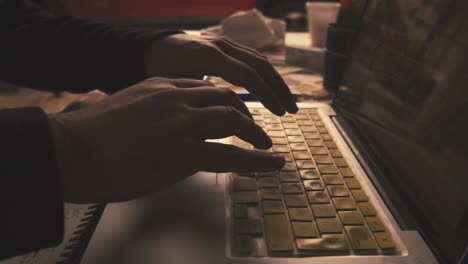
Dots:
pixel 69 53
pixel 30 189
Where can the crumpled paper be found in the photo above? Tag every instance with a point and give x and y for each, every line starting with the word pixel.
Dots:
pixel 252 29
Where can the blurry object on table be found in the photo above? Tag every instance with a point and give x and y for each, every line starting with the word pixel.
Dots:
pixel 252 29
pixel 319 16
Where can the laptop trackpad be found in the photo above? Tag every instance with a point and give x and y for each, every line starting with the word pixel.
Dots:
pixel 188 217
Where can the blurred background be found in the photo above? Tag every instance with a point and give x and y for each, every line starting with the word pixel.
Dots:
pixel 186 14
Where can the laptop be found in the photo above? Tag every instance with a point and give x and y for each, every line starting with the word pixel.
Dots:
pixel 378 176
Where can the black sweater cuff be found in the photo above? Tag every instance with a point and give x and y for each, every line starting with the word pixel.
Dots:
pixel 30 195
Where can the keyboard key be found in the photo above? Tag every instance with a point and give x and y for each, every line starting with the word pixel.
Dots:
pixel 346 172
pixel 338 191
pixel 302 155
pixel 309 174
pixel 289 166
pixel 318 151
pixel 384 240
pixel 304 229
pixel 318 197
pixel 319 123
pixel 315 117
pixel 255 111
pixel 273 207
pixel 359 195
pixel 352 183
pixel 361 238
pixel 327 169
pixel 375 224
pixel 290 125
pixel 302 117
pixel 322 130
pixel 244 183
pixel 245 197
pixel 308 129
pixel 270 194
pixel 323 160
pixel 274 127
pixel 300 214
pixel 288 119
pixel 242 245
pixel 288 176
pixel 279 141
pixel 277 233
pixel 240 211
pixel 280 148
pixel 258 117
pixel 335 153
pixel 292 188
pixel 367 209
pixel 313 185
pixel 298 147
pixel 305 123
pixel 268 182
pixel 295 200
pixel 327 244
pixel 248 227
pixel 293 132
pixel 315 143
pixel 276 133
pixel 330 145
pixel 326 137
pixel 332 179
pixel 323 210
pixel 351 218
pixel 305 164
pixel 329 225
pixel 295 139
pixel 273 120
pixel 340 162
pixel 312 136
pixel 344 203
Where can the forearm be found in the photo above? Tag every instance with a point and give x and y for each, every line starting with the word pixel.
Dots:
pixel 31 193
pixel 67 53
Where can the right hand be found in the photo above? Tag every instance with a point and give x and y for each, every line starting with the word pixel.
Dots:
pixel 151 135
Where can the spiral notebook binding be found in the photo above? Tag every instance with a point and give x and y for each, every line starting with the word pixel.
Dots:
pixel 77 244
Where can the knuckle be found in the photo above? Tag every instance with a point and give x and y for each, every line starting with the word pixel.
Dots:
pixel 229 93
pixel 230 112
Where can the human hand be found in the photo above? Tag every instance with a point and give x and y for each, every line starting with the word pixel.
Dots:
pixel 85 100
pixel 183 55
pixel 152 135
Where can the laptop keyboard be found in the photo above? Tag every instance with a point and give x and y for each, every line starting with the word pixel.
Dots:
pixel 314 205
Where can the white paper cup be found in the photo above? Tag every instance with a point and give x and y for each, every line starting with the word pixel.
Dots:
pixel 319 16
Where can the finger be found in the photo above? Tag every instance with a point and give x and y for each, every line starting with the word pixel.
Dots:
pixel 211 96
pixel 224 121
pixel 181 83
pixel 189 83
pixel 245 48
pixel 266 71
pixel 226 158
pixel 241 74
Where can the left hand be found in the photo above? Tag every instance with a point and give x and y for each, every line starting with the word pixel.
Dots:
pixel 185 56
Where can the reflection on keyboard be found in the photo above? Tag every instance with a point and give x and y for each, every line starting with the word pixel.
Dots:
pixel 312 206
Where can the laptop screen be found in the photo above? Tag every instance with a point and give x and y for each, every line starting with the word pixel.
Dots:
pixel 406 92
